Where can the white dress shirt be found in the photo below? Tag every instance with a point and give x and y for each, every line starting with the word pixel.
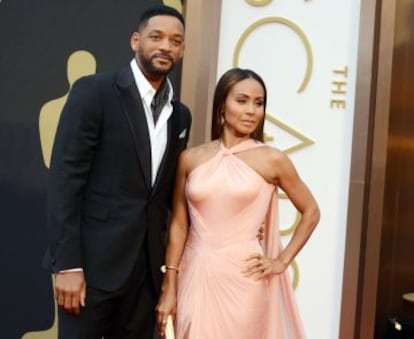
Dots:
pixel 157 133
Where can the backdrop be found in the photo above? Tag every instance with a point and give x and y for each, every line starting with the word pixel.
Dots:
pixel 45 46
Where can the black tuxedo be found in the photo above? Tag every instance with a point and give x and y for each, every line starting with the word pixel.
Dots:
pixel 102 207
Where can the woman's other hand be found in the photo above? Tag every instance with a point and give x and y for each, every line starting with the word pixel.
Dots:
pixel 167 305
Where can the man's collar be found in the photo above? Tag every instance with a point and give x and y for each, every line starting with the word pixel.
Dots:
pixel 143 84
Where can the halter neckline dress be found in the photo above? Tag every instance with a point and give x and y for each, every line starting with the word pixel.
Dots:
pixel 228 202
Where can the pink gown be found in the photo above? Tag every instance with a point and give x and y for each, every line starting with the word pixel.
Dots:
pixel 228 202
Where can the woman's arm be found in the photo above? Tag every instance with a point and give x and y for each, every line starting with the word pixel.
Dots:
pixel 299 194
pixel 175 247
pixel 286 177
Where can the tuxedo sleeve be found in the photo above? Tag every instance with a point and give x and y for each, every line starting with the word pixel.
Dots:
pixel 75 145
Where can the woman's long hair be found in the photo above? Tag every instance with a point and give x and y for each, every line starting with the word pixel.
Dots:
pixel 223 87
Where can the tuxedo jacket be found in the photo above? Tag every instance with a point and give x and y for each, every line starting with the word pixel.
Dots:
pixel 101 203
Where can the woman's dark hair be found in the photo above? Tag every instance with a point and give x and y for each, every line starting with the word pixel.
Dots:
pixel 158 10
pixel 223 87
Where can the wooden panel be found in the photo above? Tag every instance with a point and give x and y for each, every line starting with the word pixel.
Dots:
pixel 200 64
pixel 396 275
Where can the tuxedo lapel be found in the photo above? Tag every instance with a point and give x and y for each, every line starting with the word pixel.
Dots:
pixel 132 106
pixel 172 137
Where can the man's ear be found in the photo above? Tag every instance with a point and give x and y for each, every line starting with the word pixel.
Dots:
pixel 135 41
pixel 182 51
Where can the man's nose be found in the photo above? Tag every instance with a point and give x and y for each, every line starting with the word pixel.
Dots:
pixel 165 44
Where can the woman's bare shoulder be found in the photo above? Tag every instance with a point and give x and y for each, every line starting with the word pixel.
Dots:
pixel 271 163
pixel 272 153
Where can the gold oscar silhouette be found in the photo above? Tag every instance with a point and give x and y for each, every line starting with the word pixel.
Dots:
pixel 175 4
pixel 79 64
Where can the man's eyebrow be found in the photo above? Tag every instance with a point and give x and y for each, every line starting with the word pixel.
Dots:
pixel 156 30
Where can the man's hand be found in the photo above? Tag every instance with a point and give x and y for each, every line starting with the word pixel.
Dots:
pixel 70 291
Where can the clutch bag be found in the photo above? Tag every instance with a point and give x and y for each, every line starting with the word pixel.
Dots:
pixel 169 328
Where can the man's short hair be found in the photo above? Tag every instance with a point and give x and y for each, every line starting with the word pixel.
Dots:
pixel 158 10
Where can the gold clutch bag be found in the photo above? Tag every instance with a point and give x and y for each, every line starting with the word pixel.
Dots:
pixel 169 328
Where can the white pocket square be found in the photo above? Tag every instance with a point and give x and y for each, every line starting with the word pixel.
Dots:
pixel 183 134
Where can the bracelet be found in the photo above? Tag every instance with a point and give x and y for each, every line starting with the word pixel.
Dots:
pixel 164 268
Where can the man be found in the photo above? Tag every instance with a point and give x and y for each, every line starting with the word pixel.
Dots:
pixel 111 180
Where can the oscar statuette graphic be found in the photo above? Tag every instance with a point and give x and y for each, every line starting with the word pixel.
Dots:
pixel 80 63
pixel 177 4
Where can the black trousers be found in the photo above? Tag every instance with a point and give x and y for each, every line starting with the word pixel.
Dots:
pixel 122 314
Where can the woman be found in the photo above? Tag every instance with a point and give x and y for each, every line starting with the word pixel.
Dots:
pixel 219 281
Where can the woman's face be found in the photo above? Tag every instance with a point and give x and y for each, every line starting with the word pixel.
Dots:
pixel 244 108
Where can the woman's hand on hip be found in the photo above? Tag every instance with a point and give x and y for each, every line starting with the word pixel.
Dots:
pixel 259 266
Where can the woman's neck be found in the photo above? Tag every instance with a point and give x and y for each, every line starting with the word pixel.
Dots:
pixel 232 140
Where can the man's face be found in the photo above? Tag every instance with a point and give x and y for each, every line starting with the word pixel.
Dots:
pixel 159 45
